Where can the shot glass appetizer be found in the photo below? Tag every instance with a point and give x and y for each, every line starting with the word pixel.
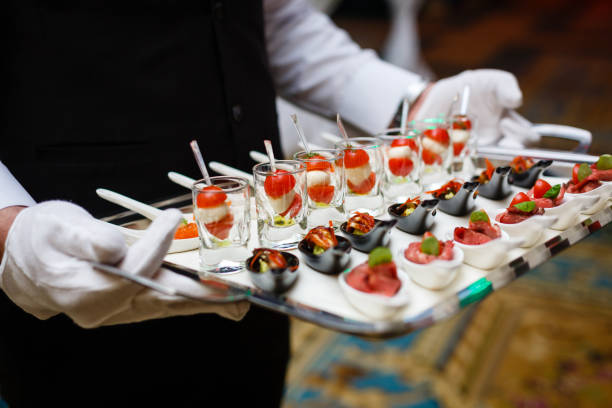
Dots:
pixel 222 214
pixel 363 167
pixel 464 141
pixel 436 149
pixel 402 159
pixel 325 185
pixel 280 197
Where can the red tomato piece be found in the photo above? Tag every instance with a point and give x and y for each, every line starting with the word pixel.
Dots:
pixel 401 166
pixel 294 208
pixel 431 158
pixel 405 142
pixel 279 184
pixel 355 158
pixel 210 197
pixel 318 165
pixel 575 173
pixel 221 228
pixel 519 198
pixel 365 186
pixel 438 134
pixel 462 123
pixel 458 148
pixel 540 188
pixel 321 194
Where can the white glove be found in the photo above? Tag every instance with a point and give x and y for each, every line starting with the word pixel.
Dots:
pixel 494 95
pixel 45 270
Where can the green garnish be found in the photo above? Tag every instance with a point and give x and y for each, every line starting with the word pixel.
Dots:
pixel 184 221
pixel 310 155
pixel 604 162
pixel 584 171
pixel 409 210
pixel 280 221
pixel 553 192
pixel 358 232
pixel 430 246
pixel 526 206
pixel 379 255
pixel 479 216
pixel 317 250
pixel 263 266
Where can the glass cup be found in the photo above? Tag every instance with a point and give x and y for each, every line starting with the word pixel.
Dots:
pixel 222 214
pixel 325 185
pixel 280 199
pixel 402 158
pixel 437 149
pixel 364 169
pixel 464 140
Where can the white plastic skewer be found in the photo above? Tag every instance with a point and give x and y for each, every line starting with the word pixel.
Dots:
pixel 270 152
pixel 300 132
pixel 341 127
pixel 200 161
pixel 465 100
pixel 181 180
pixel 404 117
pixel 258 156
pixel 230 171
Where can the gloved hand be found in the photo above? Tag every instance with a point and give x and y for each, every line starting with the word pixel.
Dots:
pixel 494 95
pixel 46 272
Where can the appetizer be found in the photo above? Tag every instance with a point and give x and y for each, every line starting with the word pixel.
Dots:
pixel 484 245
pixel 272 270
pixel 456 197
pixel 324 251
pixel 435 145
pixel 448 190
pixel 400 163
pixel 494 182
pixel 429 250
pixel 602 169
pixel 377 276
pixel 546 196
pixel 520 209
pixel 213 211
pixel 359 175
pixel 186 230
pixel 524 171
pixel 279 188
pixel 366 233
pixel 431 263
pixel 521 164
pixel 486 175
pixel 460 133
pixel 320 188
pixel 414 216
pixel 479 230
pixel 586 178
pixel 360 223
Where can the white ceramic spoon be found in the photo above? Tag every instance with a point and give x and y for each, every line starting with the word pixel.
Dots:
pixel 230 171
pixel 181 180
pixel 178 245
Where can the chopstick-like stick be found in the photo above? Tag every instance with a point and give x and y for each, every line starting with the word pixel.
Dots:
pixel 181 180
pixel 258 156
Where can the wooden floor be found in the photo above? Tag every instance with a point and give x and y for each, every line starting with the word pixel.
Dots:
pixel 560 51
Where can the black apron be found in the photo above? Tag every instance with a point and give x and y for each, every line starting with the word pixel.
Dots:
pixel 108 94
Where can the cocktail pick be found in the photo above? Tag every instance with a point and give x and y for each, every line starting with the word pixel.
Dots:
pixel 270 152
pixel 341 127
pixel 452 105
pixel 300 132
pixel 465 100
pixel 404 117
pixel 200 161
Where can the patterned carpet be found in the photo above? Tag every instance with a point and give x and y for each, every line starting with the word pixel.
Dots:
pixel 544 341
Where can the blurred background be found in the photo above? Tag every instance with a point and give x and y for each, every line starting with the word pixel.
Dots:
pixel 546 339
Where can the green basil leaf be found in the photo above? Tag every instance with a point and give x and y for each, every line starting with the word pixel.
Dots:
pixel 479 216
pixel 604 162
pixel 584 171
pixel 553 192
pixel 380 255
pixel 317 250
pixel 526 206
pixel 430 246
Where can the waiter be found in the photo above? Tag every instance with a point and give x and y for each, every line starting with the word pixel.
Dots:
pixel 108 94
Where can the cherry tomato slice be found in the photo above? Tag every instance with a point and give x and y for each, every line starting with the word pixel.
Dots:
pixel 405 142
pixel 400 166
pixel 438 134
pixel 540 188
pixel 431 158
pixel 279 184
pixel 355 158
pixel 221 228
pixel 519 198
pixel 294 208
pixel 318 165
pixel 321 194
pixel 575 173
pixel 458 148
pixel 365 186
pixel 210 197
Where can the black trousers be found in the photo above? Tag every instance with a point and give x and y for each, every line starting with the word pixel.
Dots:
pixel 192 361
